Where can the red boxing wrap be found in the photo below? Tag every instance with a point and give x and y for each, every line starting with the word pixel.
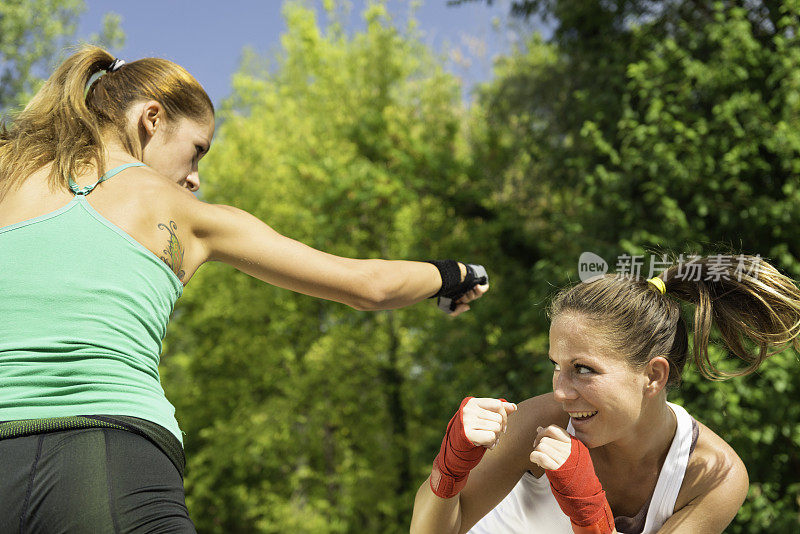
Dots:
pixel 579 493
pixel 457 456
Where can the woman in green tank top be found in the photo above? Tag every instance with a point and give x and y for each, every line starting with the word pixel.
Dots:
pixel 92 267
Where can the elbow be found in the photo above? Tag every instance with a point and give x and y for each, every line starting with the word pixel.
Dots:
pixel 372 292
pixel 370 297
pixel 434 515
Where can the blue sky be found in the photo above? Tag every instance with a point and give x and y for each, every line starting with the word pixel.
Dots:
pixel 207 37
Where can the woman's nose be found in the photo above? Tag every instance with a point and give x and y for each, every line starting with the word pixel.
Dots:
pixel 562 388
pixel 193 181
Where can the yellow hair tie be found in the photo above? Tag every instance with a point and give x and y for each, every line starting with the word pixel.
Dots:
pixel 659 283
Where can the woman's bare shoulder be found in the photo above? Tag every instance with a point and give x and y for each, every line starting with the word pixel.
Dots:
pixel 543 410
pixel 157 197
pixel 156 212
pixel 163 193
pixel 713 466
pixel 155 187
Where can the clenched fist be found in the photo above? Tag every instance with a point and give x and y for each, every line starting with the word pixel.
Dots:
pixel 551 448
pixel 476 426
pixel 485 420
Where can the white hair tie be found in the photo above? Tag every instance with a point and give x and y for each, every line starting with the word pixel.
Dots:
pixel 115 65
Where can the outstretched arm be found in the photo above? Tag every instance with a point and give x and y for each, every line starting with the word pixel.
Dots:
pixel 239 239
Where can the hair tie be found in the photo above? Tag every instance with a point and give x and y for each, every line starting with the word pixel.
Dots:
pixel 115 65
pixel 659 283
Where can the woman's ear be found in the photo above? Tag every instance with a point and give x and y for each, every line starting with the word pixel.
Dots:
pixel 657 375
pixel 151 117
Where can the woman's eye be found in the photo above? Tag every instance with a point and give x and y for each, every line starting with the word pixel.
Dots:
pixel 583 370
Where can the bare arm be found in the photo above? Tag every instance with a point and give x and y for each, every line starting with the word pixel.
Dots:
pixel 435 515
pixel 493 478
pixel 239 239
pixel 718 482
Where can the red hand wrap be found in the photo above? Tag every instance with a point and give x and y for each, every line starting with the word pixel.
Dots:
pixel 457 456
pixel 579 493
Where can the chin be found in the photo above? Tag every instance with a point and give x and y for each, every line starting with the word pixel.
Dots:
pixel 594 435
pixel 589 441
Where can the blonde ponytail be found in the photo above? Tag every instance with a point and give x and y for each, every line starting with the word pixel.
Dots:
pixel 56 126
pixel 64 123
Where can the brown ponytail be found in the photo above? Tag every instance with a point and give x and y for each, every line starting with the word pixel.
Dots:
pixel 745 297
pixel 64 122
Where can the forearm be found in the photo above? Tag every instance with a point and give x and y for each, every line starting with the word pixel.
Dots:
pixel 396 283
pixel 434 515
pixel 573 481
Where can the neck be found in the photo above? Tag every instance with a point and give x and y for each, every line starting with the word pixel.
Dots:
pixel 115 150
pixel 123 145
pixel 649 439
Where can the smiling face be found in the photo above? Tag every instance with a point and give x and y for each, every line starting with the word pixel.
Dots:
pixel 174 148
pixel 604 395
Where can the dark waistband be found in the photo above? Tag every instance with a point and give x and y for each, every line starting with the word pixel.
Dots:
pixel 158 435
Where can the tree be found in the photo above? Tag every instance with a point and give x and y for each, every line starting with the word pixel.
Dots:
pixel 631 130
pixel 684 139
pixel 304 415
pixel 32 35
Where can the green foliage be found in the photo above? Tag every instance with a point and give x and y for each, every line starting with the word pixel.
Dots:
pixel 756 415
pixel 697 152
pixel 32 35
pixel 638 127
pixel 299 413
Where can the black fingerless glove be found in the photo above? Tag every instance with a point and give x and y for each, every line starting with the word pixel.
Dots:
pixel 450 273
pixel 452 287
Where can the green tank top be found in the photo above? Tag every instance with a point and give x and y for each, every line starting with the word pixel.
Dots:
pixel 83 310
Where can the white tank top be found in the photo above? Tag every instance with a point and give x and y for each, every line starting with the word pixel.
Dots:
pixel 530 507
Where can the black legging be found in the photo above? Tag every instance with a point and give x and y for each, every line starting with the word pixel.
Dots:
pixel 94 480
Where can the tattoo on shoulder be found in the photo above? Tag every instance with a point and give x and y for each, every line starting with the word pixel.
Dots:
pixel 174 252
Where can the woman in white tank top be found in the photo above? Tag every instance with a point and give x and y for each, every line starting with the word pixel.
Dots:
pixel 606 452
